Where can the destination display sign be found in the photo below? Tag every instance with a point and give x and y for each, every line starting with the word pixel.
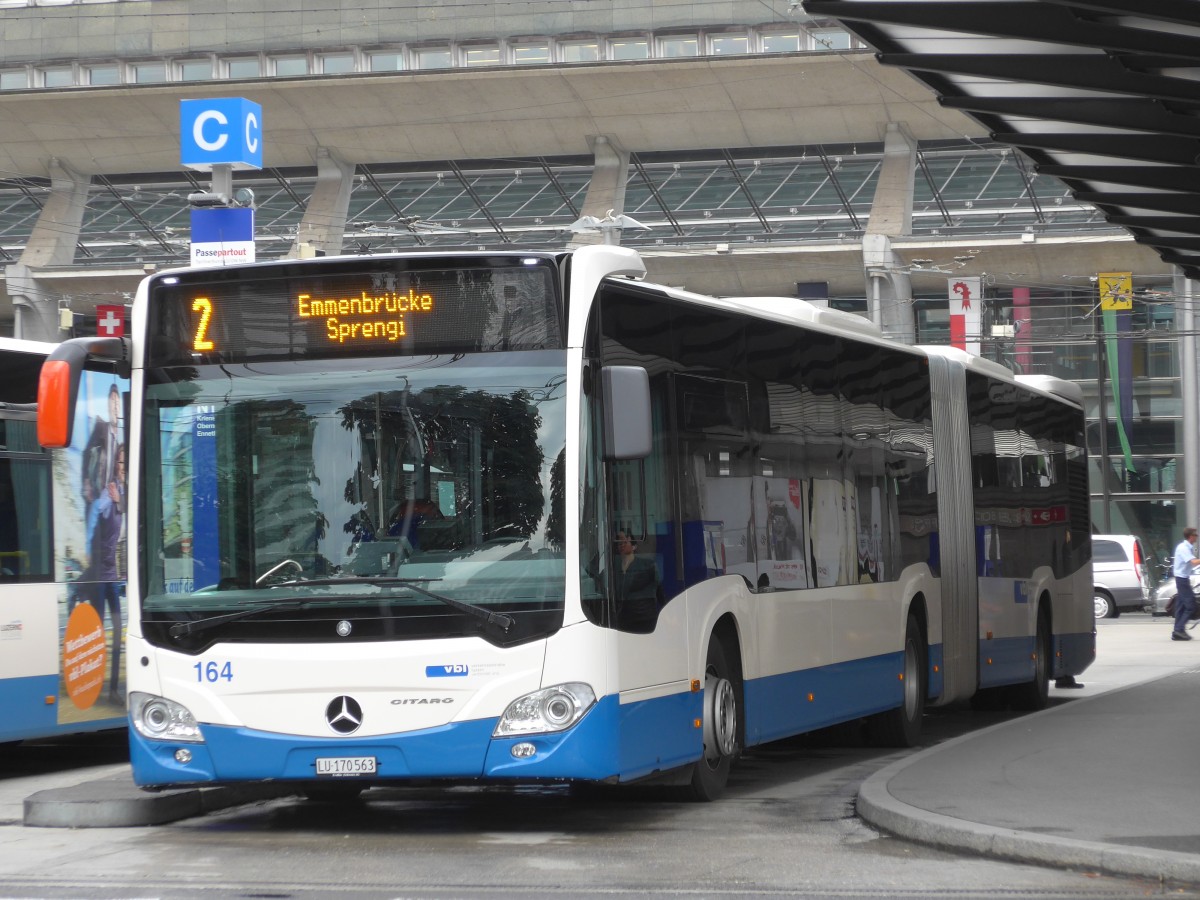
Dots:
pixel 308 310
pixel 367 316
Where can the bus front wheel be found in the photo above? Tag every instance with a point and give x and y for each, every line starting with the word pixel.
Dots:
pixel 722 717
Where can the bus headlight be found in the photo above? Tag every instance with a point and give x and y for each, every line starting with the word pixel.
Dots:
pixel 550 709
pixel 161 719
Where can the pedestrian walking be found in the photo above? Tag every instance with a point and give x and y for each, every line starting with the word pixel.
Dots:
pixel 1185 601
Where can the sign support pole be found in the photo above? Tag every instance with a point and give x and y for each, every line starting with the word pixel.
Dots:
pixel 222 179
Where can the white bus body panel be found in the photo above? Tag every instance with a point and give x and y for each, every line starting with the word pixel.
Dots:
pixel 274 688
pixel 29 635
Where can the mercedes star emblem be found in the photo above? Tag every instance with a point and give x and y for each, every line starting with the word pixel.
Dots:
pixel 344 715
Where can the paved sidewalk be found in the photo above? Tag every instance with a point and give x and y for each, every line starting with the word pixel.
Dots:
pixel 1104 782
pixel 113 801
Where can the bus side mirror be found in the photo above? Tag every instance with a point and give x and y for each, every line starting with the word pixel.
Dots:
pixel 626 412
pixel 58 384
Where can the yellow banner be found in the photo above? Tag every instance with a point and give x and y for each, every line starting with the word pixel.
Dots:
pixel 1116 290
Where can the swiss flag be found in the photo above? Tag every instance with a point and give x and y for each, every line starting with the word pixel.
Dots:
pixel 110 321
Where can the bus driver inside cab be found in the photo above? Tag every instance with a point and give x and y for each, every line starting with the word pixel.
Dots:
pixel 636 589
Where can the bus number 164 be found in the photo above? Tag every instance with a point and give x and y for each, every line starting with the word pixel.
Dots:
pixel 213 671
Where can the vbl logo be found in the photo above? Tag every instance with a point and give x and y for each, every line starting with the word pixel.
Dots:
pixel 454 670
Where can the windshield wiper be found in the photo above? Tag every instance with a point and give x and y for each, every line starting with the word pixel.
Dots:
pixel 179 629
pixel 500 620
pixel 484 615
pixel 286 564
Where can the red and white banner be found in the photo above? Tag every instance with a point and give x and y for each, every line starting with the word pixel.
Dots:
pixel 965 300
pixel 110 321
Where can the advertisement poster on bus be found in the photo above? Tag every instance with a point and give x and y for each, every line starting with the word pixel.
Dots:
pixel 91 551
pixel 189 449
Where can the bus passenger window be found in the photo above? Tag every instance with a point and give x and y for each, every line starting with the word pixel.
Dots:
pixel 25 542
pixel 10 558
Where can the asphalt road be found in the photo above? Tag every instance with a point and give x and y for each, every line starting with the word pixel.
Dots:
pixel 787 827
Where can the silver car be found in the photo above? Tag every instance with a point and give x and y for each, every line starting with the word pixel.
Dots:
pixel 1165 593
pixel 1119 578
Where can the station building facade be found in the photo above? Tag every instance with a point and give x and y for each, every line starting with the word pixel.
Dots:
pixel 745 150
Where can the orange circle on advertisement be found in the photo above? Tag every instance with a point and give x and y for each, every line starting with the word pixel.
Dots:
pixel 84 656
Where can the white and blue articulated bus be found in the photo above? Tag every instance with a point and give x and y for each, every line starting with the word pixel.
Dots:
pixel 522 517
pixel 62 556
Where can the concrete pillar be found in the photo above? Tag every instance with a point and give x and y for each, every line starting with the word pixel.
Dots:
pixel 889 289
pixel 51 243
pixel 35 308
pixel 1186 294
pixel 606 190
pixel 324 224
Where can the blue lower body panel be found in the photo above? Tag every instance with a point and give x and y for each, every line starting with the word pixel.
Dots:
pixel 1012 662
pixel 1006 661
pixel 26 712
pixel 660 734
pixel 783 705
pixel 27 715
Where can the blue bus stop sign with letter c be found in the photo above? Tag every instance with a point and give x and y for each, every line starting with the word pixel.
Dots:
pixel 225 131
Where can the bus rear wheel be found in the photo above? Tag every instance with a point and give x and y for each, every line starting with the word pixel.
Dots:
pixel 1035 694
pixel 901 727
pixel 722 721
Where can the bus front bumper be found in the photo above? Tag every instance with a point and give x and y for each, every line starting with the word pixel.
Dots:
pixel 456 751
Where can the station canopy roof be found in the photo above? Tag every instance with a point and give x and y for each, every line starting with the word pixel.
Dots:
pixel 1101 94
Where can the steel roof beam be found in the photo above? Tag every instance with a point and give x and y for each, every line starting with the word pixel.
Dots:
pixel 1143 115
pixel 1033 21
pixel 636 162
pixel 938 200
pixel 1155 148
pixel 478 201
pixel 137 216
pixel 1175 243
pixel 287 188
pixel 1116 112
pixel 1165 178
pixel 1167 10
pixel 745 189
pixel 837 186
pixel 1097 72
pixel 1180 224
pixel 548 171
pixel 405 220
pixel 1029 187
pixel 1180 202
pixel 1189 264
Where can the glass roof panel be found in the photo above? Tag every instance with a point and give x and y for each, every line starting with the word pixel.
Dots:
pixel 145 218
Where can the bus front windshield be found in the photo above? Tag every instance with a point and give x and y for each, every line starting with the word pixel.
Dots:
pixel 368 499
